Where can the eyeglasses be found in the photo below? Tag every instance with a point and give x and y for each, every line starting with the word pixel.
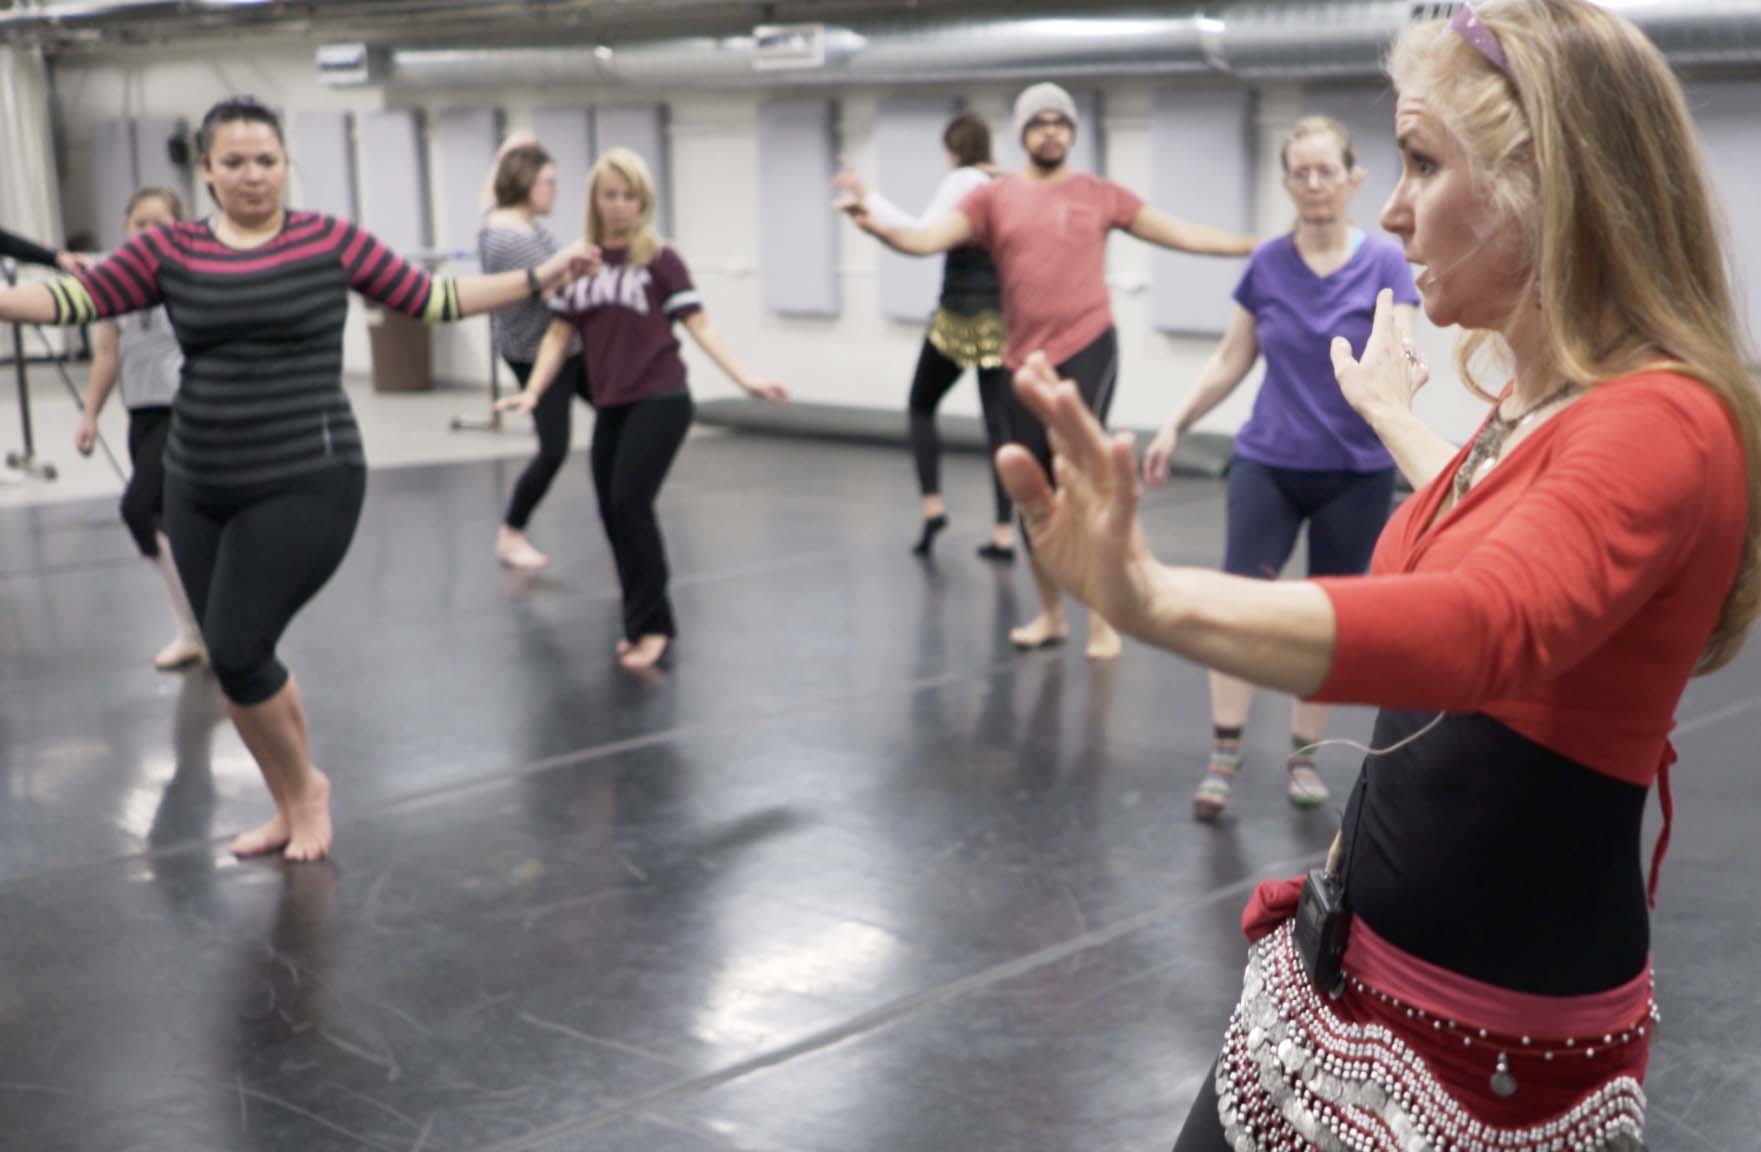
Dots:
pixel 1304 177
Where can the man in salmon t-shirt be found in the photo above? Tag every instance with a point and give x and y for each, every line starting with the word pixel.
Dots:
pixel 1047 229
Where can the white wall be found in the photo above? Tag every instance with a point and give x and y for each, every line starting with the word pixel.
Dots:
pixel 858 358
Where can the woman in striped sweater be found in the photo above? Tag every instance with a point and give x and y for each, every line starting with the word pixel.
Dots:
pixel 522 188
pixel 264 472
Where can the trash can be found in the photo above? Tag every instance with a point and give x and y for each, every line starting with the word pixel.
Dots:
pixel 400 351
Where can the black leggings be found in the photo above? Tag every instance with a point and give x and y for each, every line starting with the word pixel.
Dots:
pixel 552 421
pixel 144 497
pixel 1203 1130
pixel 251 556
pixel 1267 506
pixel 1095 371
pixel 935 375
pixel 633 447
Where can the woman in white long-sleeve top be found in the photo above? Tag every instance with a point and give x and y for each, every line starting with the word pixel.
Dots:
pixel 966 332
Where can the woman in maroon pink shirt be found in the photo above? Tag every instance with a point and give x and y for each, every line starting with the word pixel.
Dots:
pixel 1530 620
pixel 625 318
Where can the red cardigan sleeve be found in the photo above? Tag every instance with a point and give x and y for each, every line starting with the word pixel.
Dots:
pixel 1602 526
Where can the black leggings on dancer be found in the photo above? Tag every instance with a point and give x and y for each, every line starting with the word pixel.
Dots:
pixel 144 497
pixel 1094 370
pixel 1203 1131
pixel 553 421
pixel 935 375
pixel 251 556
pixel 633 447
pixel 1345 512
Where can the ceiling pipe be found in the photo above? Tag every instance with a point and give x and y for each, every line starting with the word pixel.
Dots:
pixel 1249 39
pixel 960 51
pixel 1320 40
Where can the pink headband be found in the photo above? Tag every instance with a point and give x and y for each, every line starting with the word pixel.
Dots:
pixel 1467 25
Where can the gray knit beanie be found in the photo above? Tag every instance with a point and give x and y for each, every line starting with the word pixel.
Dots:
pixel 1039 99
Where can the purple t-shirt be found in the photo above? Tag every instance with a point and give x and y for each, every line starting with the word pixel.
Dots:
pixel 1300 419
pixel 625 317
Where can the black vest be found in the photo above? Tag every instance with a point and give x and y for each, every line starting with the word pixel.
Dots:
pixel 969 282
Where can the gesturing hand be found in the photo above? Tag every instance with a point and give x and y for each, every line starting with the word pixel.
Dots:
pixel 583 259
pixel 768 390
pixel 1085 534
pixel 848 183
pixel 857 211
pixel 1159 456
pixel 1391 372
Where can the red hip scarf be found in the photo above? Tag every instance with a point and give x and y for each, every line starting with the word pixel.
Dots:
pixel 1411 1056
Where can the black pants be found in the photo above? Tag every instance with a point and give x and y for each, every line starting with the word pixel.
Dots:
pixel 633 447
pixel 1203 1130
pixel 251 556
pixel 935 375
pixel 1095 371
pixel 553 422
pixel 144 497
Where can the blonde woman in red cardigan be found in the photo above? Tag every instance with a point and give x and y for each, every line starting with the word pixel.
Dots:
pixel 1528 625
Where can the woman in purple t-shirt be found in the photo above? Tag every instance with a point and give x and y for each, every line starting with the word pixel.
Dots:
pixel 1304 455
pixel 624 316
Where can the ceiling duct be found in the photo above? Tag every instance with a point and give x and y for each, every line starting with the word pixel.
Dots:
pixel 1325 39
pixel 959 51
pixel 1344 39
pixel 1251 39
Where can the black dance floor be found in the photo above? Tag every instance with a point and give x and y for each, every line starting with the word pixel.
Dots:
pixel 852 875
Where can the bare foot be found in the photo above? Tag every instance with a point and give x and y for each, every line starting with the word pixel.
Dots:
pixel 1042 632
pixel 271 837
pixel 1103 640
pixel 180 653
pixel 646 652
pixel 513 549
pixel 310 819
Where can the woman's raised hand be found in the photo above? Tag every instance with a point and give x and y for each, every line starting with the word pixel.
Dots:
pixel 1159 455
pixel 1391 371
pixel 1085 533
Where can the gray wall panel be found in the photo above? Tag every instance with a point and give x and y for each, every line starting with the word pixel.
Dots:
pixel 798 235
pixel 567 134
pixel 113 170
pixel 910 163
pixel 324 160
pixel 1202 170
pixel 465 141
pixel 1726 115
pixel 153 164
pixel 394 195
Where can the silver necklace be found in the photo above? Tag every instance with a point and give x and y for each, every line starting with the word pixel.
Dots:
pixel 1488 446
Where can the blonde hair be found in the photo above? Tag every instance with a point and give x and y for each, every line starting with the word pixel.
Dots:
pixel 1318 126
pixel 172 201
pixel 644 242
pixel 1588 149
